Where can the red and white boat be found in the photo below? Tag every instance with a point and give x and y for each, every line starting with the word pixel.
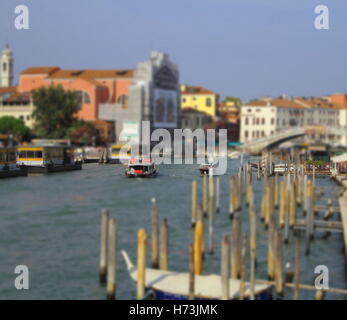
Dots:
pixel 142 167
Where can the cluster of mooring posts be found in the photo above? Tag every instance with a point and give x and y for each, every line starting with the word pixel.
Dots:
pixel 288 207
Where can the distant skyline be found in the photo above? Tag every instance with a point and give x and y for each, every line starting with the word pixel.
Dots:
pixel 244 48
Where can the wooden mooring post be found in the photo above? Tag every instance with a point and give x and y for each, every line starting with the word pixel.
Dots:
pixel 154 235
pixel 204 196
pixel 103 246
pixel 111 259
pixel 231 197
pixel 235 246
pixel 191 288
pixel 141 263
pixel 278 263
pixel 198 243
pixel 243 267
pixel 194 203
pixel 225 267
pixel 297 270
pixel 211 216
pixel 217 194
pixel 164 245
pixel 252 245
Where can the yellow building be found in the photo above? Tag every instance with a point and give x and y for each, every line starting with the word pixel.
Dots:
pixel 200 99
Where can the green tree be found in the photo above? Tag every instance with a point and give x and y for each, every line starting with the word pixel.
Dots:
pixel 16 127
pixel 82 133
pixel 236 100
pixel 55 110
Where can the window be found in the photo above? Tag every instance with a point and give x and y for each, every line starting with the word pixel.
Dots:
pixel 86 98
pixel 246 121
pixel 257 121
pixel 263 121
pixel 208 102
pixel 246 134
pixel 4 66
pixel 272 120
pixel 183 99
pixel 79 96
pixel 122 99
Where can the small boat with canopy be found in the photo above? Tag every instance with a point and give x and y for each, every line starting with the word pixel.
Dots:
pixel 141 167
pixel 170 285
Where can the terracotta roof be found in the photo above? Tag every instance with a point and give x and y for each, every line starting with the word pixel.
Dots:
pixel 299 103
pixel 91 74
pixel 19 97
pixel 64 74
pixel 196 90
pixel 40 70
pixel 8 89
pixel 100 74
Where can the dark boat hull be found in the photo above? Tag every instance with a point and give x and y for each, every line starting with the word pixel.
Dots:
pixel 22 172
pixel 141 175
pixel 49 169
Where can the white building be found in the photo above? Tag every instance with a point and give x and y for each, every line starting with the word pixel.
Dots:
pixel 6 68
pixel 267 116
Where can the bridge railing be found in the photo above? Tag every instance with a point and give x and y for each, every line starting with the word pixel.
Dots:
pixel 275 137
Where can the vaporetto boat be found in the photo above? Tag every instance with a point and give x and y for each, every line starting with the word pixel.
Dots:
pixel 45 159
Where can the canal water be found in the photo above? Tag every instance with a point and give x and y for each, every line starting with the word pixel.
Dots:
pixel 51 224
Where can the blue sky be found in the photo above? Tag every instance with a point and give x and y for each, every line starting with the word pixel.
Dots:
pixel 246 48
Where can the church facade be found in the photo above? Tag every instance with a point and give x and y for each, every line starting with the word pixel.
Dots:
pixel 154 95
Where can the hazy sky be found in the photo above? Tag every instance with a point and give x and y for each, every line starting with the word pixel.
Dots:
pixel 246 48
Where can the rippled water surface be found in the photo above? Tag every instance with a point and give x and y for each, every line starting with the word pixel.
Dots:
pixel 51 224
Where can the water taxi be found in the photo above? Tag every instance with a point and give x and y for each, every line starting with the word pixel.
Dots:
pixel 120 153
pixel 170 285
pixel 8 165
pixel 142 167
pixel 45 159
pixel 207 168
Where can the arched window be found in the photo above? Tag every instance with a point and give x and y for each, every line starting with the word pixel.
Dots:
pixel 246 121
pixel 4 66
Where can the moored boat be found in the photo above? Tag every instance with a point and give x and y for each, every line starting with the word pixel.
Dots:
pixel 8 165
pixel 207 168
pixel 46 159
pixel 120 153
pixel 141 167
pixel 171 285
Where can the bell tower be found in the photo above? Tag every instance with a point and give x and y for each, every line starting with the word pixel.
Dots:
pixel 6 67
